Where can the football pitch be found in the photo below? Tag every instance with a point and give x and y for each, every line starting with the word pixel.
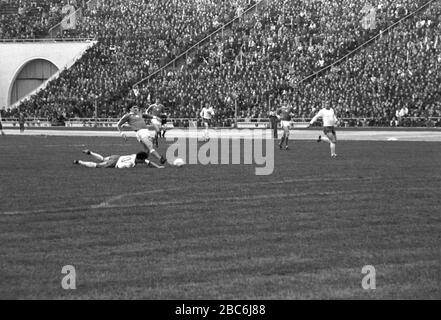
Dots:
pixel 220 231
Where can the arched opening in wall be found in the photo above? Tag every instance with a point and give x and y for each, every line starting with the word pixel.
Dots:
pixel 30 77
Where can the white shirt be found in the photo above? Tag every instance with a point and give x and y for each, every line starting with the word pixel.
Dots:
pixel 403 112
pixel 125 162
pixel 329 118
pixel 207 113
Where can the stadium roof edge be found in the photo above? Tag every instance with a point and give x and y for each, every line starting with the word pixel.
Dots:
pixel 47 40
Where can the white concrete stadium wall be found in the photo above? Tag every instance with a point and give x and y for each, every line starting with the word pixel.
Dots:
pixel 14 56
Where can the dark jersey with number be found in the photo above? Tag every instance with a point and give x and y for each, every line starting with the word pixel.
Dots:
pixel 21 118
pixel 157 110
pixel 285 113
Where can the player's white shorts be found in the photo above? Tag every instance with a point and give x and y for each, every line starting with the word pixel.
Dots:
pixel 285 124
pixel 144 136
pixel 156 121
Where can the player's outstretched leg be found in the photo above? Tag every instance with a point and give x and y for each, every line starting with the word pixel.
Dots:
pixel 155 140
pixel 148 146
pixel 154 165
pixel 333 144
pixel 85 163
pixel 332 140
pixel 206 135
pixel 282 141
pixel 285 138
pixel 161 159
pixel 94 155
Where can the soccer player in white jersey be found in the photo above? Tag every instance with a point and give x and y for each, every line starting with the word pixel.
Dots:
pixel 329 122
pixel 116 161
pixel 207 114
pixel 137 123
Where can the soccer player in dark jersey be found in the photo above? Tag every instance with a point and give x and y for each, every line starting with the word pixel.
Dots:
pixel 284 114
pixel 21 121
pixel 274 120
pixel 164 124
pixel 156 110
pixel 137 123
pixel 1 126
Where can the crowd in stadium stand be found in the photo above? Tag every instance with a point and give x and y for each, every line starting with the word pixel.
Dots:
pixel 30 19
pixel 393 80
pixel 258 62
pixel 134 37
pixel 264 65
pixel 265 56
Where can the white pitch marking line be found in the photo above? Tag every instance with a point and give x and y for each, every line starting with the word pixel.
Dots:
pixel 191 201
pixel 116 198
pixel 173 202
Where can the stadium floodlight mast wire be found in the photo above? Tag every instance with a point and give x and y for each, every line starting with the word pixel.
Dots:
pixel 380 34
pixel 135 87
pixel 221 28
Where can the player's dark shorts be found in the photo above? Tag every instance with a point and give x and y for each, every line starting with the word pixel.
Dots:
pixel 207 121
pixel 327 130
pixel 110 162
pixel 163 121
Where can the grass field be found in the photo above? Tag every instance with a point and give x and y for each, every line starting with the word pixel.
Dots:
pixel 220 232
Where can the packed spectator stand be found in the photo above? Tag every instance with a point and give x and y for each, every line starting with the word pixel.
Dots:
pixel 256 64
pixel 30 19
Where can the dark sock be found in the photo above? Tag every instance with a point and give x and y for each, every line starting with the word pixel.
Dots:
pixel 283 140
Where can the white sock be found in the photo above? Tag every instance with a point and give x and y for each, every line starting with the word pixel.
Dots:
pixel 87 164
pixel 97 156
pixel 332 148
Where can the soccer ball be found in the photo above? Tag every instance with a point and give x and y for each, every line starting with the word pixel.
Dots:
pixel 178 162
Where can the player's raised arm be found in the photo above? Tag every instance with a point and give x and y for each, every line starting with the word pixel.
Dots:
pixel 314 120
pixel 149 108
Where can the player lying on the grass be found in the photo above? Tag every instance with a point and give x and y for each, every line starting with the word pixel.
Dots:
pixel 329 122
pixel 136 122
pixel 284 114
pixel 116 161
